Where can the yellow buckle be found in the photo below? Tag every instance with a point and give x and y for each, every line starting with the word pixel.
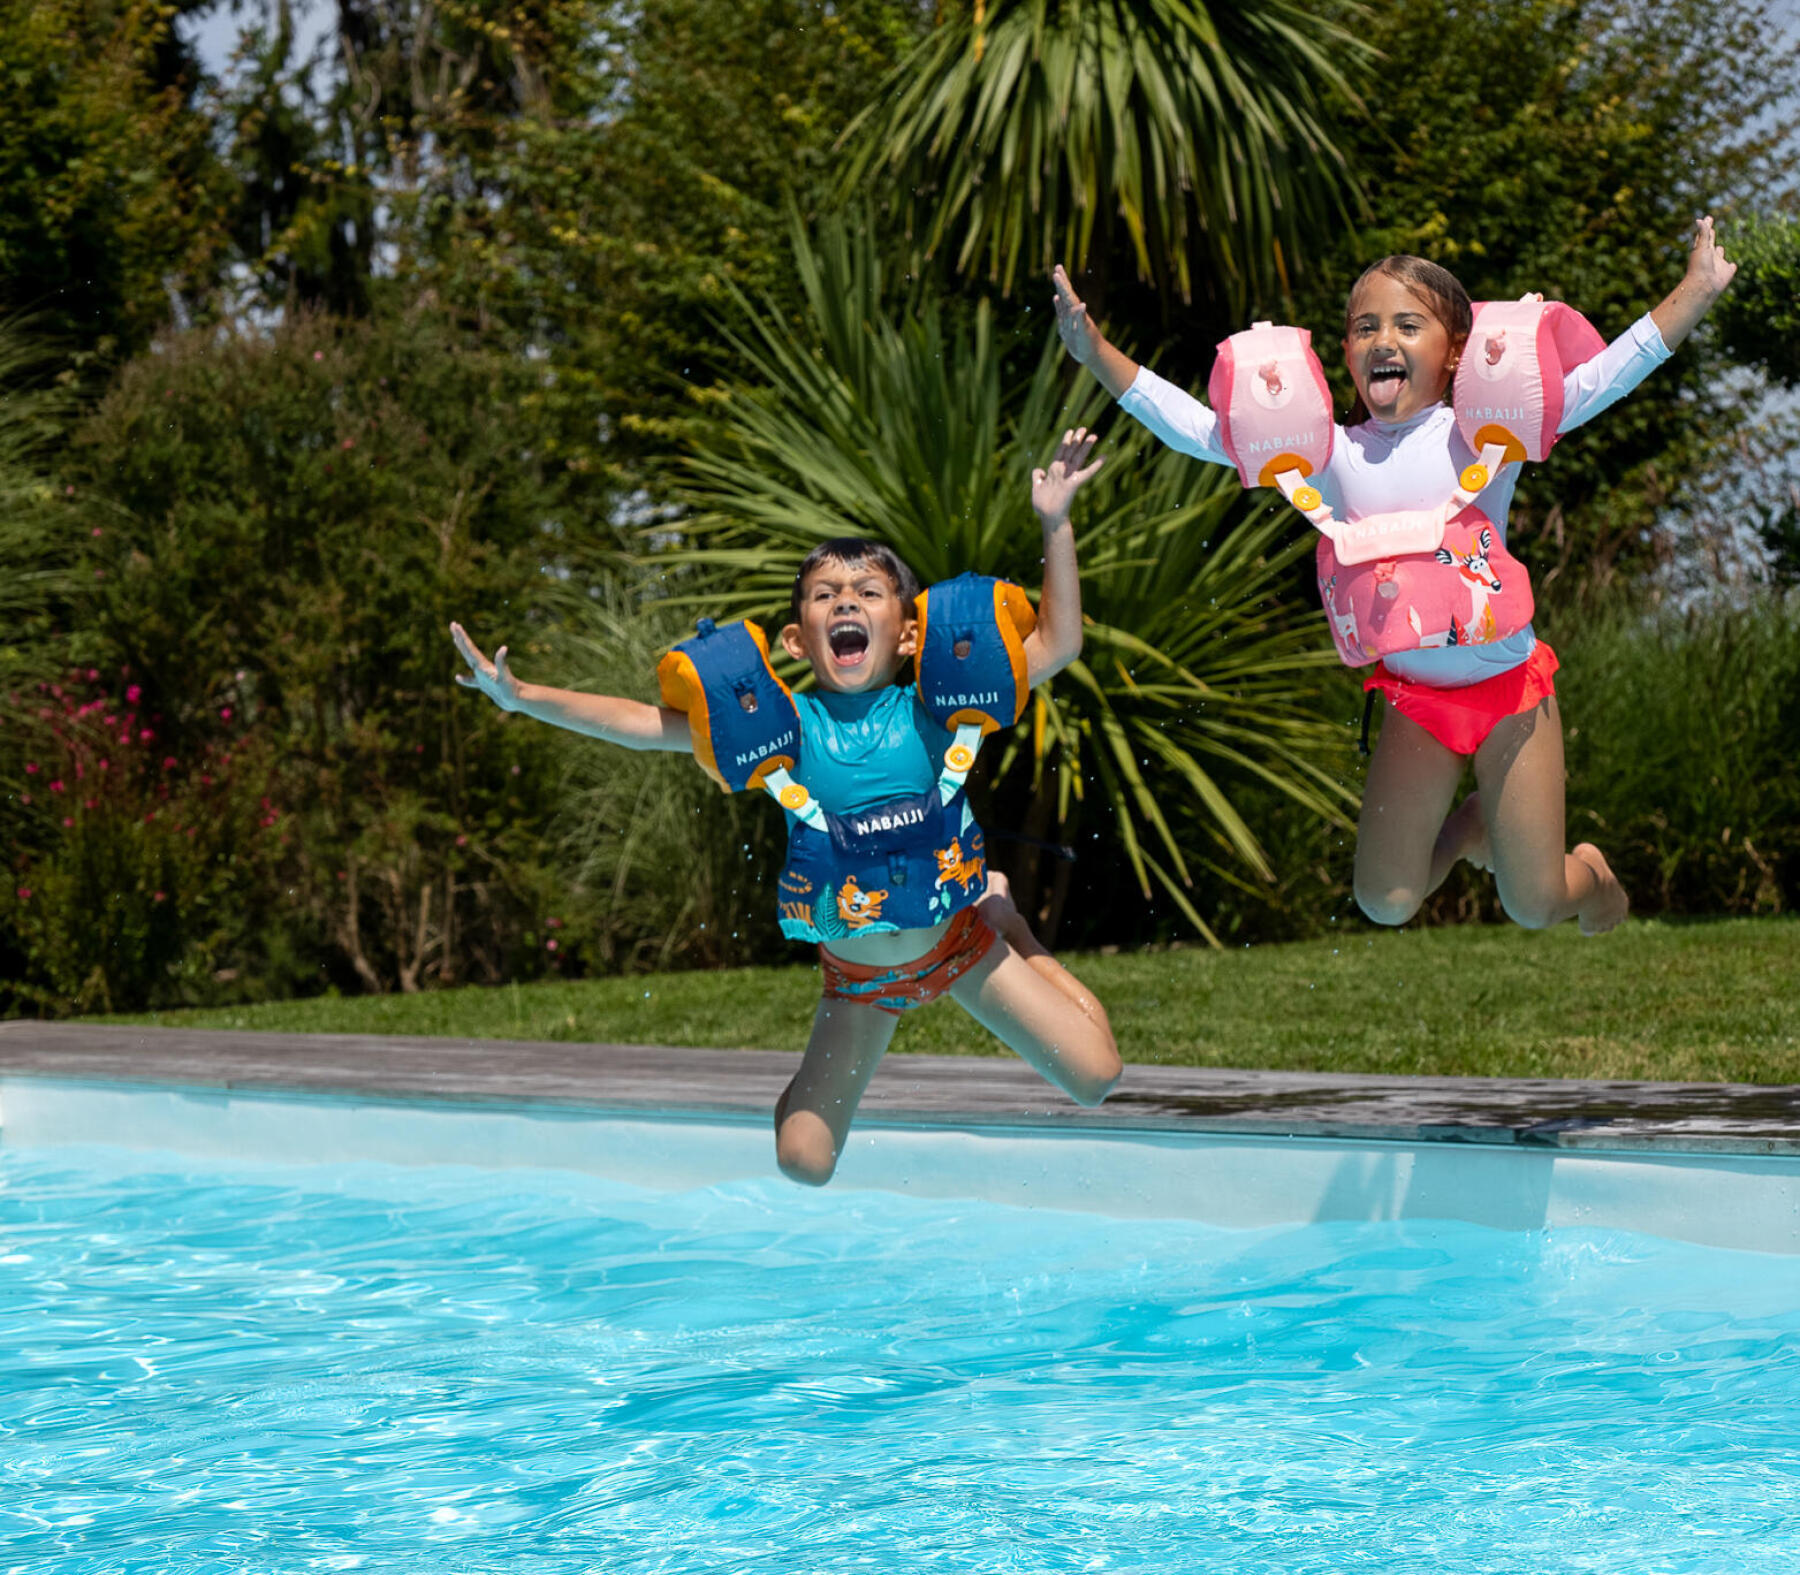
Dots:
pixel 1306 499
pixel 1475 478
pixel 959 757
pixel 793 797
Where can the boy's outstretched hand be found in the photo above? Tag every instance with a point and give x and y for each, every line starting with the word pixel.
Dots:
pixel 1054 489
pixel 491 678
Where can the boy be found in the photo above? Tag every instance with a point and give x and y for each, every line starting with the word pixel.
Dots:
pixel 867 740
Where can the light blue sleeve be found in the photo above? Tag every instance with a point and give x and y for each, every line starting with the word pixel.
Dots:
pixel 1175 416
pixel 1601 383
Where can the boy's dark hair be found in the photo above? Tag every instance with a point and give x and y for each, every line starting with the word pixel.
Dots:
pixel 851 551
pixel 1440 290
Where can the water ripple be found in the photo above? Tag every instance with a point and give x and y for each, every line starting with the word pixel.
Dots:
pixel 443 1370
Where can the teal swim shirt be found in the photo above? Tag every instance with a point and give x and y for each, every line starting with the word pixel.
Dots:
pixel 857 751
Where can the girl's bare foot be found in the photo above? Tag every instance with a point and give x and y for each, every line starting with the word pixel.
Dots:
pixel 1606 908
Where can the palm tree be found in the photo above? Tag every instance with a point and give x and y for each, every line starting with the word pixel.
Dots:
pixel 874 415
pixel 1020 131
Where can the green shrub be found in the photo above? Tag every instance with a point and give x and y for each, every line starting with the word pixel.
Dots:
pixel 283 525
pixel 1681 734
pixel 1758 318
pixel 136 876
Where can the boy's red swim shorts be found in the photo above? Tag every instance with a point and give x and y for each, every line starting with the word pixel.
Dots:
pixel 918 982
pixel 1460 719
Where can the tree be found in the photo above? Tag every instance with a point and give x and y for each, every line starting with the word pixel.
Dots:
pixel 1759 317
pixel 1190 136
pixel 109 195
pixel 580 178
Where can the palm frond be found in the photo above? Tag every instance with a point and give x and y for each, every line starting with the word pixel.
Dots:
pixel 1196 126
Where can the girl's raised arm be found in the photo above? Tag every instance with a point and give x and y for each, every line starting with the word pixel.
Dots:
pixel 1601 383
pixel 630 723
pixel 1084 341
pixel 1174 415
pixel 1708 273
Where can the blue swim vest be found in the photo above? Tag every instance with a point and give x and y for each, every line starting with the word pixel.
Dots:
pixel 905 863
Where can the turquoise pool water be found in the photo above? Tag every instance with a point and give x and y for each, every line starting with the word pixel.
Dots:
pixel 402 1370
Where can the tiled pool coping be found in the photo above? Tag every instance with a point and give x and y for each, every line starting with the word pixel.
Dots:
pixel 910 1090
pixel 1711 1164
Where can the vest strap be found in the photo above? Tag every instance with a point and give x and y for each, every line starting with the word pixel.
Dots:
pixel 790 795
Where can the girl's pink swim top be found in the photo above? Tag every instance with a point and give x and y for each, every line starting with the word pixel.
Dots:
pixel 1385 467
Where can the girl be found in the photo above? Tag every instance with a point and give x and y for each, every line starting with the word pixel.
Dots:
pixel 1406 324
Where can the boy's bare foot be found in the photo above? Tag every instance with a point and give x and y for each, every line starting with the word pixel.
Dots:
pixel 1607 907
pixel 1476 847
pixel 1001 916
pixel 1463 835
pixel 997 904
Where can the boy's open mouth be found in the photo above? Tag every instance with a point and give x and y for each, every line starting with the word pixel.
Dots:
pixel 849 643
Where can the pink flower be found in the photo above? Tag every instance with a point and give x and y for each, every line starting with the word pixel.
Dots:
pixel 133 694
pixel 168 762
pixel 462 842
pixel 56 786
pixel 68 492
pixel 93 673
pixel 96 532
pixel 553 924
pixel 224 713
pixel 105 764
pixel 24 798
pixel 349 442
pixel 161 896
pixel 549 946
pixel 90 803
pixel 145 736
pixel 205 780
pixel 149 817
pixel 31 768
pixel 24 894
pixel 67 821
pixel 318 355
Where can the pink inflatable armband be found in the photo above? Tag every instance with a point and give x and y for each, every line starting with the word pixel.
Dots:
pixel 1509 382
pixel 1274 408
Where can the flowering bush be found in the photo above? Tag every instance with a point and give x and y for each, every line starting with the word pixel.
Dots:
pixel 144 846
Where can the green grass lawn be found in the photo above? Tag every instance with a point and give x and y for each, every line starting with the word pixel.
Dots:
pixel 1693 1002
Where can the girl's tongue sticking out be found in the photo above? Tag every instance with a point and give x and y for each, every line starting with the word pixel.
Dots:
pixel 1387 382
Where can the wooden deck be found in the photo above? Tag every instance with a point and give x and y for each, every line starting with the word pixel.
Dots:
pixel 918 1090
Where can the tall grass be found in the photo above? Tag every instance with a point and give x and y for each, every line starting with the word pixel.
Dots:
pixel 1681 732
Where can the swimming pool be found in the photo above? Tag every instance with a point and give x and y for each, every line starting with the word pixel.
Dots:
pixel 209 1366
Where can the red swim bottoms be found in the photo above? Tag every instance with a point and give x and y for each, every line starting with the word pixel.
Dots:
pixel 1460 719
pixel 913 984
